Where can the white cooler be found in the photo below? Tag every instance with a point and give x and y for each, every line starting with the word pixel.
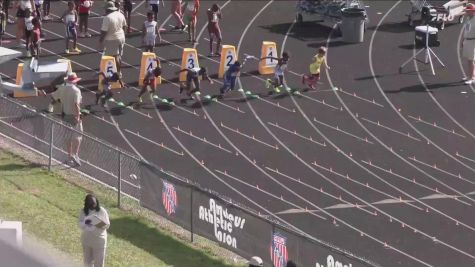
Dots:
pixel 421 33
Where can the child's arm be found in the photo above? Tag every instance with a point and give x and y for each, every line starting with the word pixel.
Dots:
pixel 157 31
pixel 76 18
pixel 143 32
pixel 273 58
pixel 325 64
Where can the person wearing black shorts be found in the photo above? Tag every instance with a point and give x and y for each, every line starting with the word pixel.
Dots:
pixel 128 13
pixel 193 80
pixel 46 7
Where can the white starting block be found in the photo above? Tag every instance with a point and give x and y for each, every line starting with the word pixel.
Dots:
pixel 431 32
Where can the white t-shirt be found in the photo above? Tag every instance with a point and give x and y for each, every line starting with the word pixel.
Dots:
pixel 114 24
pixel 154 2
pixel 29 23
pixel 24 4
pixel 469 28
pixel 70 95
pixel 279 70
pixel 91 229
pixel 150 28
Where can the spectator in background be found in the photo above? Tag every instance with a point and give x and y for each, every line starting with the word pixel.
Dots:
pixel 178 14
pixel 6 6
pixel 94 222
pixel 112 37
pixel 291 264
pixel 256 262
pixel 468 44
pixel 28 30
pixel 84 11
pixel 128 7
pixel 191 12
pixel 46 7
pixel 154 4
pixel 70 97
pixel 214 16
pixel 38 5
pixel 70 19
pixel 150 33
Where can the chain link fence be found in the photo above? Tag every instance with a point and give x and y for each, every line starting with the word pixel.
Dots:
pixel 200 211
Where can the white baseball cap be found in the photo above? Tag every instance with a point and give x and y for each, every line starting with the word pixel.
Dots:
pixel 256 261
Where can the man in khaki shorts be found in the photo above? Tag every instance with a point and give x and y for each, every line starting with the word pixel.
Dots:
pixel 112 37
pixel 468 44
pixel 70 97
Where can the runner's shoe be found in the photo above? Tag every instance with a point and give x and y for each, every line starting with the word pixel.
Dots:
pixel 154 96
pixel 77 50
pixel 66 51
pixel 277 89
pixel 268 83
pixel 88 35
pixel 50 108
pixel 140 100
pixel 10 21
pixel 76 160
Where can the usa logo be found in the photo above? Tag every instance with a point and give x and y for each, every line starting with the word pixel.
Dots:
pixel 278 250
pixel 169 198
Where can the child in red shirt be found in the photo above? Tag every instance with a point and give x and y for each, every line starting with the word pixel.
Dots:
pixel 36 37
pixel 84 10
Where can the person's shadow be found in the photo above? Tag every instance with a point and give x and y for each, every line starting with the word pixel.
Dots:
pixel 160 245
pixel 418 88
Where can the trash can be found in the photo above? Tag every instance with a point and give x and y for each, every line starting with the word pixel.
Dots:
pixel 353 24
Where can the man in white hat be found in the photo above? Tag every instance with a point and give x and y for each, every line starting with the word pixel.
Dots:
pixel 256 262
pixel 70 97
pixel 468 44
pixel 112 39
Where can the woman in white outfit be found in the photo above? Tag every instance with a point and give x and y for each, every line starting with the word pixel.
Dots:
pixel 94 222
pixel 468 44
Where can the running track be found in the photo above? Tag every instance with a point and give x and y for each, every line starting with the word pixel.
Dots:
pixel 382 167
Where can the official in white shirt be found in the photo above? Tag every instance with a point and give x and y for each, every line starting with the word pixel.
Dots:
pixel 468 44
pixel 93 236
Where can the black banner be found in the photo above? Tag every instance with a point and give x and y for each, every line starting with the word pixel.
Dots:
pixel 230 226
pixel 167 198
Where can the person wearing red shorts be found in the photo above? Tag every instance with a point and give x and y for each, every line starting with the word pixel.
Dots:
pixel 149 81
pixel 191 12
pixel 178 14
pixel 214 16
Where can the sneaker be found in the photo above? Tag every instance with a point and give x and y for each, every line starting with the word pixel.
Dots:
pixel 77 50
pixel 217 54
pixel 28 54
pixel 82 35
pixel 154 96
pixel 277 89
pixel 10 21
pixel 46 17
pixel 184 28
pixel 469 81
pixel 76 160
pixel 66 51
pixel 268 83
pixel 88 35
pixel 50 108
pixel 140 100
pixel 211 54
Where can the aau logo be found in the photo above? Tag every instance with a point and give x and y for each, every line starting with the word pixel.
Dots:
pixel 169 198
pixel 278 250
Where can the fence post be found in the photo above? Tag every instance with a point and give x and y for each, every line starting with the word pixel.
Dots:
pixel 119 179
pixel 191 214
pixel 51 136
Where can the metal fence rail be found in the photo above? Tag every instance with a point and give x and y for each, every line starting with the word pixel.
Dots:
pixel 233 226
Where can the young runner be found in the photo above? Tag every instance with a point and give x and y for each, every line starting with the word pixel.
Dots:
pixel 279 71
pixel 70 18
pixel 154 4
pixel 46 7
pixel 230 77
pixel 177 13
pixel 150 32
pixel 28 30
pixel 193 78
pixel 128 7
pixel 214 15
pixel 149 81
pixel 106 93
pixel 191 12
pixel 35 37
pixel 84 10
pixel 319 60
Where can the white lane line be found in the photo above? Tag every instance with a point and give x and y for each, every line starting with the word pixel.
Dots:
pixel 336 128
pixel 360 98
pixel 137 134
pixel 435 125
pixel 249 136
pixel 408 135
pixel 276 125
pixel 434 166
pixel 202 139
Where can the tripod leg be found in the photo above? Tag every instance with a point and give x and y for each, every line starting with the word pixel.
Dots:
pixel 438 59
pixel 411 59
pixel 430 61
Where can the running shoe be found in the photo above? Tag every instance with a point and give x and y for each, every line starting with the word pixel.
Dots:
pixel 154 96
pixel 77 50
pixel 88 35
pixel 50 108
pixel 76 160
pixel 66 51
pixel 46 17
pixel 140 100
pixel 277 89
pixel 268 83
pixel 184 27
pixel 10 21
pixel 468 82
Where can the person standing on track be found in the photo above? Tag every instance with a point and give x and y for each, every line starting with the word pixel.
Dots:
pixel 46 8
pixel 279 71
pixel 6 6
pixel 149 33
pixel 214 16
pixel 468 44
pixel 177 13
pixel 22 6
pixel 319 60
pixel 128 7
pixel 154 5
pixel 70 18
pixel 84 10
pixel 112 39
pixel 191 12
pixel 28 31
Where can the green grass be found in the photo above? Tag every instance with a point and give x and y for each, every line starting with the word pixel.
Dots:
pixel 49 205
